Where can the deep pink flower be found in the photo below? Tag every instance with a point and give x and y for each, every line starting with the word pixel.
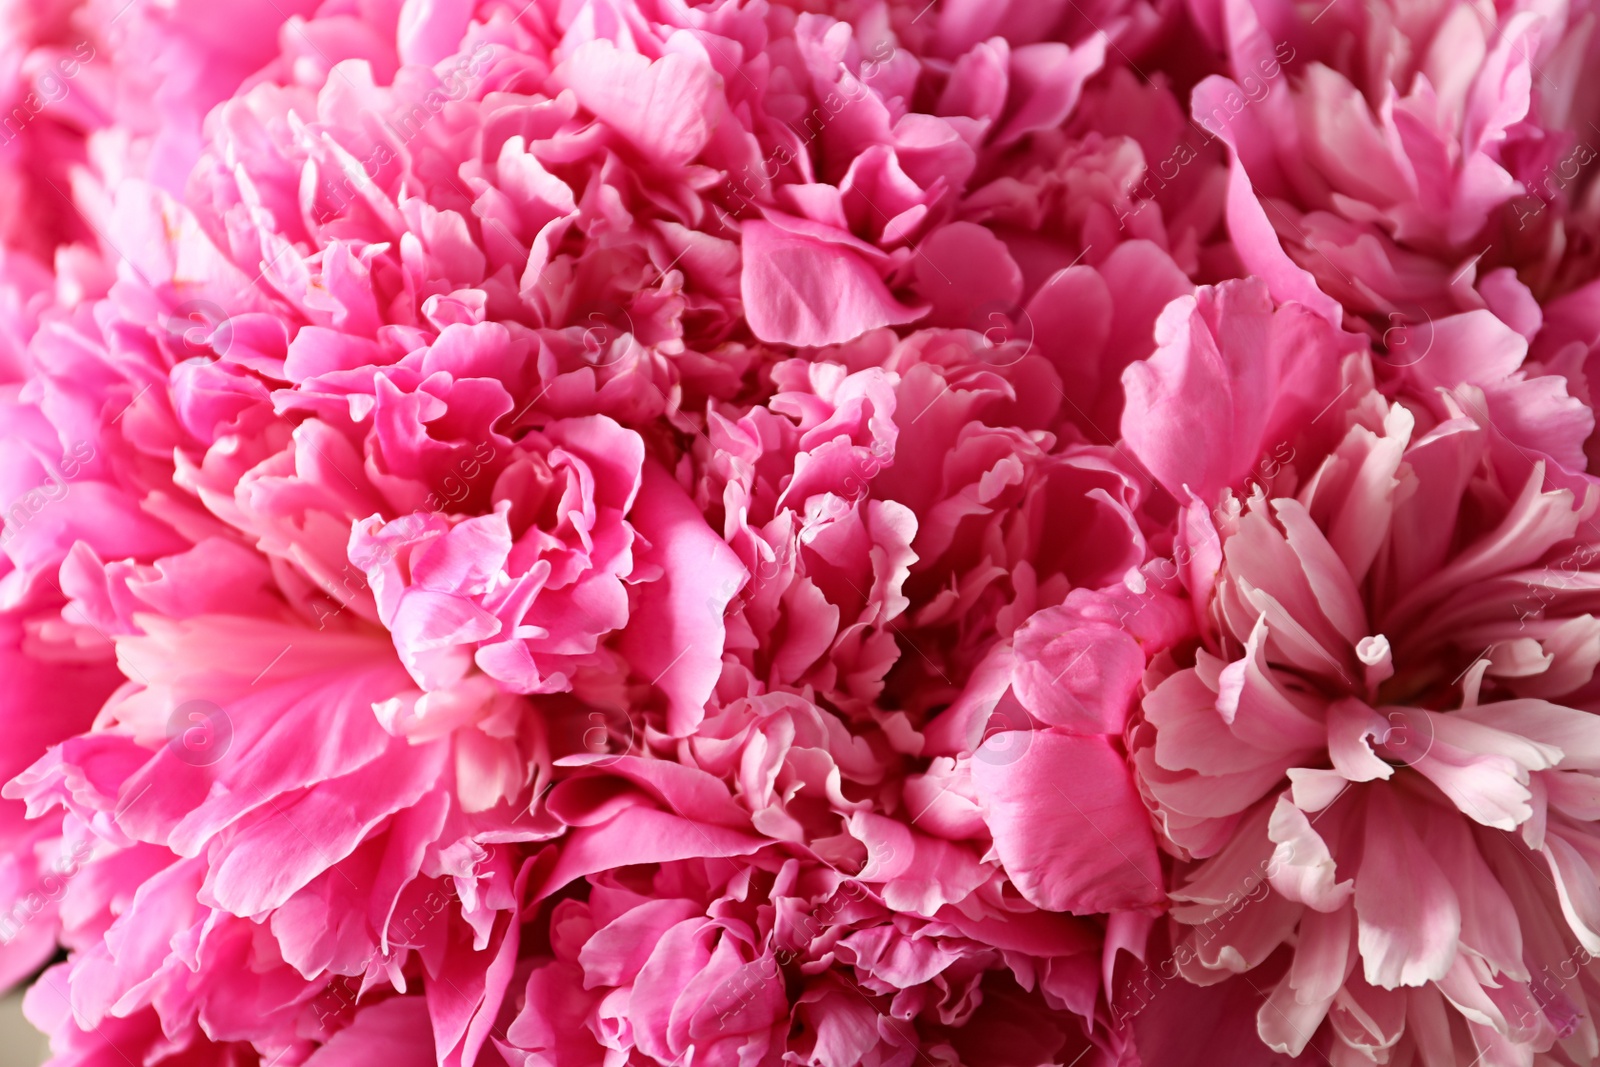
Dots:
pixel 507 478
pixel 746 532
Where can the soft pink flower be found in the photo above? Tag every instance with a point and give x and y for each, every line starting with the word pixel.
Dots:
pixel 1386 727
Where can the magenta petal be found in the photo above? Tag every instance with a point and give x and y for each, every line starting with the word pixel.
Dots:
pixel 396 1030
pixel 801 291
pixel 1075 674
pixel 676 634
pixel 1067 822
pixel 666 107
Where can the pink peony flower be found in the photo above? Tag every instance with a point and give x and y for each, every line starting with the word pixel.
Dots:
pixel 1399 168
pixel 742 532
pixel 1384 723
pixel 494 554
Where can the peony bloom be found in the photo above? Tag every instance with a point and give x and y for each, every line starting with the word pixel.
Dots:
pixel 749 532
pixel 501 551
pixel 1386 723
pixel 1398 167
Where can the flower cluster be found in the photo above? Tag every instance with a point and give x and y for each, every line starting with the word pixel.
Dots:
pixel 758 532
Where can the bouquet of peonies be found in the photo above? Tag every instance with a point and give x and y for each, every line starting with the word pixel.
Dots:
pixel 746 533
